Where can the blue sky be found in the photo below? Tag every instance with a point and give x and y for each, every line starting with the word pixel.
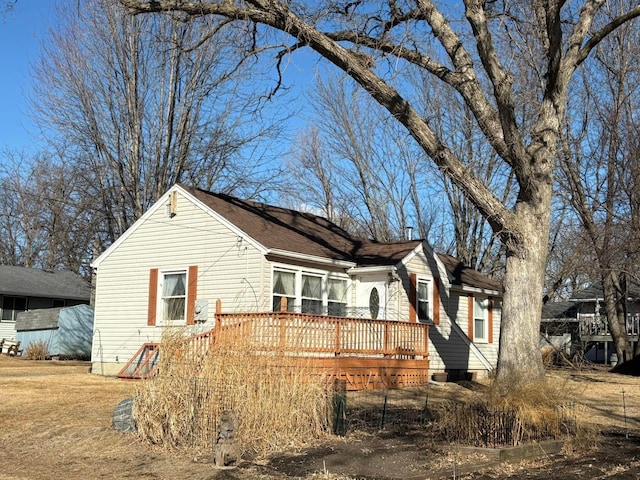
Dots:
pixel 19 46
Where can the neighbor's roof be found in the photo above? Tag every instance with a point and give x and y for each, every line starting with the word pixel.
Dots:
pixel 33 282
pixel 559 311
pixel 595 291
pixel 308 234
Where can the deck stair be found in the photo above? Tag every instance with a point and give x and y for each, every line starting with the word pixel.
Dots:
pixel 143 364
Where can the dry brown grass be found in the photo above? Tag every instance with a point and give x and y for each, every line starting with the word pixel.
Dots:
pixel 277 405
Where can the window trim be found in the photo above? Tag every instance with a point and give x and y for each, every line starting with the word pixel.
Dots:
pixel 433 310
pixel 429 300
pixel 484 317
pixel 162 274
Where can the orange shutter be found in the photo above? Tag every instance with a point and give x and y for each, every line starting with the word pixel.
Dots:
pixel 153 297
pixel 436 301
pixel 470 316
pixel 490 320
pixel 413 287
pixel 192 293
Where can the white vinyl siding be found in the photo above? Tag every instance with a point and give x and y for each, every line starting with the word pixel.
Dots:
pixel 228 269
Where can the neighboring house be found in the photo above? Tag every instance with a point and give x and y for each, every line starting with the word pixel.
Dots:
pixel 192 248
pixel 580 324
pixel 23 289
pixel 65 331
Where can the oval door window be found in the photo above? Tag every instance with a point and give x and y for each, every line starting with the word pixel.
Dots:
pixel 374 303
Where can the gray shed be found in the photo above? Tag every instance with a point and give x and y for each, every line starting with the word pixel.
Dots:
pixel 67 331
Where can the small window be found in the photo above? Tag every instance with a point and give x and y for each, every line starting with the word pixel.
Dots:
pixel 284 286
pixel 311 294
pixel 422 299
pixel 337 298
pixel 11 306
pixel 480 328
pixel 174 296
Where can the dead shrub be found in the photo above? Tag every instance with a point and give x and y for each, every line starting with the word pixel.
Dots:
pixel 276 403
pixel 36 351
pixel 531 412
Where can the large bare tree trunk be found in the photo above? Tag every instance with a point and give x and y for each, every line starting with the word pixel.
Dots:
pixel 524 278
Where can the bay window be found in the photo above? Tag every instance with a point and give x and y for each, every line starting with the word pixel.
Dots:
pixel 309 291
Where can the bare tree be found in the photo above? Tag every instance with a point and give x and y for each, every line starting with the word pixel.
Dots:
pixel 147 103
pixel 46 221
pixel 470 47
pixel 600 171
pixel 368 173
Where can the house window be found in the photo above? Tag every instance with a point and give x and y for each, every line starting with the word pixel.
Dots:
pixel 422 301
pixel 174 296
pixel 311 294
pixel 11 306
pixel 309 291
pixel 337 297
pixel 284 286
pixel 480 319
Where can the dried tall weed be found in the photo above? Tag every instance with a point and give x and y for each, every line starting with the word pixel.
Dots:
pixel 542 410
pixel 36 351
pixel 276 401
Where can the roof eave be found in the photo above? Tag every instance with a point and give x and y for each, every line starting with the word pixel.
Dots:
pixel 310 258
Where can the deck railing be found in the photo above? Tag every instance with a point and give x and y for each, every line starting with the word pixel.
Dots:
pixel 597 325
pixel 309 334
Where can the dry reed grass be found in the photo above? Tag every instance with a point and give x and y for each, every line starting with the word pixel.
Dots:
pixel 36 351
pixel 536 411
pixel 276 404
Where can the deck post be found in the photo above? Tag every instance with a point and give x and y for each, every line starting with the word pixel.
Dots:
pixel 282 321
pixel 385 347
pixel 337 347
pixel 426 341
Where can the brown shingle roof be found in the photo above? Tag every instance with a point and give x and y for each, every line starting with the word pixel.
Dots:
pixel 308 234
pixel 460 274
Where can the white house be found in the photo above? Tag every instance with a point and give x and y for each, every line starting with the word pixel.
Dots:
pixel 192 248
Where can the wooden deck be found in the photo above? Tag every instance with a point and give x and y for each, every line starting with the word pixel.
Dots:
pixel 358 353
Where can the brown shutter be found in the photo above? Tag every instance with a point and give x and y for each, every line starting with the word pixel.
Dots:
pixel 490 320
pixel 153 297
pixel 470 316
pixel 413 287
pixel 436 301
pixel 192 293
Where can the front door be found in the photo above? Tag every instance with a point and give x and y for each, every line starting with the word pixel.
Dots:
pixel 371 298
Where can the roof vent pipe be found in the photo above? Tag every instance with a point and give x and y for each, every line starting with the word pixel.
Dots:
pixel 408 232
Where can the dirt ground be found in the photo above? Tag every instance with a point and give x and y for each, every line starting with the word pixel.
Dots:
pixel 55 422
